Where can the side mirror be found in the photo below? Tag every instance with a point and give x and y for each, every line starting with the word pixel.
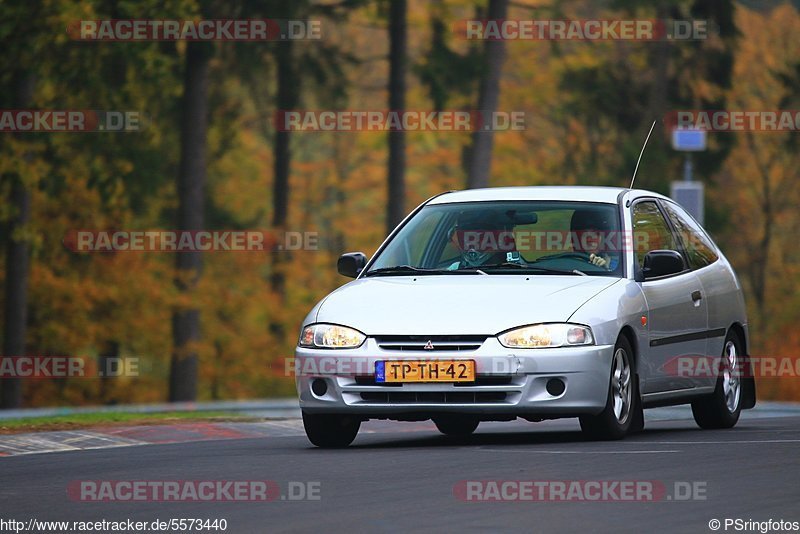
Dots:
pixel 662 263
pixel 351 264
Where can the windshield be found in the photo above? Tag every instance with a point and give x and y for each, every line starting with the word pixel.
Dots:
pixel 536 237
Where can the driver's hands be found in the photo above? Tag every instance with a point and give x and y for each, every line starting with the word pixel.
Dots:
pixel 600 261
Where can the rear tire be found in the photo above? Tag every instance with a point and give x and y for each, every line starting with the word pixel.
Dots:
pixel 330 431
pixel 723 407
pixel 623 405
pixel 456 425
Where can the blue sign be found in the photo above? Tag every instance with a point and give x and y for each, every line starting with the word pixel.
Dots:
pixel 689 140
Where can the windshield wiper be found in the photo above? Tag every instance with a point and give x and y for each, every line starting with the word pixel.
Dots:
pixel 532 268
pixel 409 269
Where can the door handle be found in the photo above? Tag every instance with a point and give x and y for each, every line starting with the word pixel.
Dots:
pixel 696 295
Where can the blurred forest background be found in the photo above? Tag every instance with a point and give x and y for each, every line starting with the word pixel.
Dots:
pixel 219 325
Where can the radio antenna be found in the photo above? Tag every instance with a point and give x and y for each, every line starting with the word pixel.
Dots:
pixel 642 152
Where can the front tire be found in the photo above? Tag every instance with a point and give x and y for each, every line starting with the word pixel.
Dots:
pixel 330 431
pixel 456 425
pixel 623 404
pixel 723 408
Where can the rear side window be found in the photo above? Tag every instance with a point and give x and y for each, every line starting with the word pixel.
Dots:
pixel 650 230
pixel 699 249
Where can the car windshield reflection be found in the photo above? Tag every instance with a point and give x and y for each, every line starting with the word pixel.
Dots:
pixel 531 237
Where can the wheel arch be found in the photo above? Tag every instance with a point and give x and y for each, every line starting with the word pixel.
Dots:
pixel 637 424
pixel 630 335
pixel 739 330
pixel 749 381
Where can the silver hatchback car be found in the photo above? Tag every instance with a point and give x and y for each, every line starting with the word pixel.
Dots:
pixel 532 302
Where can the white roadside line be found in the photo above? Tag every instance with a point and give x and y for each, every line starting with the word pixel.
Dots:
pixel 722 442
pixel 654 451
pixel 529 451
pixel 767 430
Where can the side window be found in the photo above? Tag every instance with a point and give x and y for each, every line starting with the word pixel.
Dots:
pixel 650 230
pixel 698 247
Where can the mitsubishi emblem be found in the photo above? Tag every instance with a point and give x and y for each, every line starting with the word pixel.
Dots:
pixel 428 345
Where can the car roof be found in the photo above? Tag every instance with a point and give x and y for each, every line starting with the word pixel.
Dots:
pixel 557 192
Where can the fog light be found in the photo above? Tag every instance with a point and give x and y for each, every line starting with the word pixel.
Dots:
pixel 555 387
pixel 319 387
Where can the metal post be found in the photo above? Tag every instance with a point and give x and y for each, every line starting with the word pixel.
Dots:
pixel 687 168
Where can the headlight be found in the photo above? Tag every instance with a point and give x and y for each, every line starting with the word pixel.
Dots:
pixel 331 336
pixel 547 335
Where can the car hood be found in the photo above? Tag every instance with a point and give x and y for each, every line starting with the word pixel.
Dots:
pixel 457 304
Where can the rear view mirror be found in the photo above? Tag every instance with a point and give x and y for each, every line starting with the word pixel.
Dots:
pixel 351 264
pixel 662 263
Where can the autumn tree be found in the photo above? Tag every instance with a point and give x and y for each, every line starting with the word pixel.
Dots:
pixel 21 37
pixel 17 258
pixel 762 172
pixel 613 91
pixel 396 198
pixel 191 198
pixel 479 159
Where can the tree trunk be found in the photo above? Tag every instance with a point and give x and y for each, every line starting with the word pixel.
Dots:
pixel 395 202
pixel 479 157
pixel 658 98
pixel 109 353
pixel 191 198
pixel 282 155
pixel 17 259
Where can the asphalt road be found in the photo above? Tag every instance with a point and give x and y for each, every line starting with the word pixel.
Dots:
pixel 401 477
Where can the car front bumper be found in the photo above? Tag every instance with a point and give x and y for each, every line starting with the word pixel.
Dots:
pixel 511 382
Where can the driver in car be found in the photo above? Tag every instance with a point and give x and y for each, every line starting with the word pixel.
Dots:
pixel 590 230
pixel 483 240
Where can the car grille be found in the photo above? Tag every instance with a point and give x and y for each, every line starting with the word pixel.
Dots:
pixel 480 380
pixel 439 343
pixel 433 397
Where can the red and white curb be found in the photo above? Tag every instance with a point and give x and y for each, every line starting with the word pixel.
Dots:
pixel 129 436
pixel 75 440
